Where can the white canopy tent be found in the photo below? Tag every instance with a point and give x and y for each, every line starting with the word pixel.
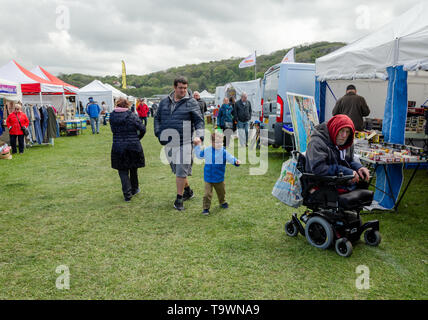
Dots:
pixel 97 90
pixel 116 93
pixel 205 95
pixel 403 42
pixel 253 90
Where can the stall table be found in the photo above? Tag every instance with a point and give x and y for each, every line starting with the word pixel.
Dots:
pixel 71 127
pixel 374 164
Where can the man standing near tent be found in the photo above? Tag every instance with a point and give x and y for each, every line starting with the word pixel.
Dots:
pixel 176 119
pixel 202 103
pixel 242 113
pixel 94 110
pixel 354 106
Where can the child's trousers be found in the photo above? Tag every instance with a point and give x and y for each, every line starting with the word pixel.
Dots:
pixel 220 189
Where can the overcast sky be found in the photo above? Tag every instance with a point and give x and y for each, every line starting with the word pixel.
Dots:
pixel 93 36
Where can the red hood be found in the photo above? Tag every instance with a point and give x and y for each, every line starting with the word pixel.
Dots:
pixel 338 122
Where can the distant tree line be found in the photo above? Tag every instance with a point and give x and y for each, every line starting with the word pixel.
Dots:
pixel 205 76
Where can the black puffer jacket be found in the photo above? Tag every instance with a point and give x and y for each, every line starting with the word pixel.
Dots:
pixel 186 110
pixel 126 151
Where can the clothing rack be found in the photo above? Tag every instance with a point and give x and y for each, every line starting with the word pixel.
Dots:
pixel 40 126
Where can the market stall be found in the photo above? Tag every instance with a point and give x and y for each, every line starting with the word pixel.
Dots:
pixel 34 92
pixel 69 123
pixel 99 92
pixel 389 68
pixel 9 93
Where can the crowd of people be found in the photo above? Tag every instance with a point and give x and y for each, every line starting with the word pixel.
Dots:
pixel 179 126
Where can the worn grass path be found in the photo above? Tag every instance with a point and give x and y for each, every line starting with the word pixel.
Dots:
pixel 63 206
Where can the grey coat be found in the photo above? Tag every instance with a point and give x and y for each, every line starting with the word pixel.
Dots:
pixel 323 158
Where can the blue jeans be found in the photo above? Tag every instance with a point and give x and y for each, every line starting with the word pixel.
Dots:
pixel 93 122
pixel 243 129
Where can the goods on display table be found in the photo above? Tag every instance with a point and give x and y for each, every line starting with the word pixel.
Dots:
pixel 376 154
pixel 389 153
pixel 69 124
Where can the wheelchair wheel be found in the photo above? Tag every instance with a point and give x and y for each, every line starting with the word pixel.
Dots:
pixel 319 232
pixel 290 229
pixel 372 237
pixel 343 247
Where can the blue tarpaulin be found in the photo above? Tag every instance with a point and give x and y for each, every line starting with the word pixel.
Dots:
pixel 393 129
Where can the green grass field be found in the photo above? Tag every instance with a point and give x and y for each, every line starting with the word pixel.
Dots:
pixel 63 205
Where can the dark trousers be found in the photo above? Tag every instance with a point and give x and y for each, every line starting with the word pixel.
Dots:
pixel 129 179
pixel 144 119
pixel 13 142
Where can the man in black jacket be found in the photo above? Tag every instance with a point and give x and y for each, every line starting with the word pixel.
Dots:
pixel 177 117
pixel 242 113
pixel 354 106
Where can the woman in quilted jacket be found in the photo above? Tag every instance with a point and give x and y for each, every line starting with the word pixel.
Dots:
pixel 127 153
pixel 16 121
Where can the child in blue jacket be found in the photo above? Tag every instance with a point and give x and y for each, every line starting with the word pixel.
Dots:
pixel 215 167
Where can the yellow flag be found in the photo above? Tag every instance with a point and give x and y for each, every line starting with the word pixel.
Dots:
pixel 123 75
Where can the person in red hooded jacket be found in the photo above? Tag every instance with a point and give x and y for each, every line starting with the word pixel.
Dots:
pixel 14 122
pixel 142 110
pixel 330 150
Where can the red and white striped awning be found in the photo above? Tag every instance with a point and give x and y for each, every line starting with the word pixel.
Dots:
pixel 30 83
pixel 42 73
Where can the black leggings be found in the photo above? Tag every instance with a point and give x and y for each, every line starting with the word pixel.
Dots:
pixel 129 179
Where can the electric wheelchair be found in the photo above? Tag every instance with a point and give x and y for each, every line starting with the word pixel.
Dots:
pixel 332 218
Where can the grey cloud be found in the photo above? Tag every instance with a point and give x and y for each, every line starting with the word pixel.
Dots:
pixel 155 35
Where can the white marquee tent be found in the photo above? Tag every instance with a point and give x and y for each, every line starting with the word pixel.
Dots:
pixel 205 95
pixel 402 42
pixel 97 90
pixel 253 90
pixel 116 93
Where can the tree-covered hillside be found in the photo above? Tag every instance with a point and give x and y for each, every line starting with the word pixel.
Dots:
pixel 206 75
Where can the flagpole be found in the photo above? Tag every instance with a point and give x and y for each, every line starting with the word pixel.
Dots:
pixel 255 65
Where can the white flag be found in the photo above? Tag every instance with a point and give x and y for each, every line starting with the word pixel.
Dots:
pixel 289 57
pixel 248 61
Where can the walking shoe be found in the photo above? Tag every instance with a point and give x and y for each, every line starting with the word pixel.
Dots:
pixel 188 194
pixel 206 212
pixel 225 205
pixel 178 204
pixel 136 192
pixel 127 199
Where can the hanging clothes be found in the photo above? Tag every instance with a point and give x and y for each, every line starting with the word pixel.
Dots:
pixel 37 125
pixel 44 123
pixel 51 125
pixel 31 138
